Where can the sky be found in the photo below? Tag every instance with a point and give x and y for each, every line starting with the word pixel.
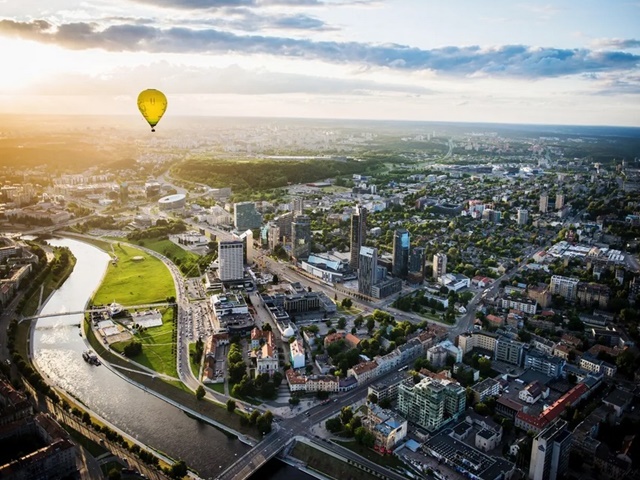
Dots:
pixel 506 61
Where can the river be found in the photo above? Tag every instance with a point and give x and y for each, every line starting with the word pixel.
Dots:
pixel 57 351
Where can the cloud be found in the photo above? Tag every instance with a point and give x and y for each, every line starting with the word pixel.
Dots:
pixel 181 79
pixel 620 43
pixel 517 61
pixel 215 4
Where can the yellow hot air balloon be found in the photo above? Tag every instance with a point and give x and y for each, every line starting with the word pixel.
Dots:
pixel 152 105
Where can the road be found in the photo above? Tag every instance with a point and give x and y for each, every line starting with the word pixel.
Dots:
pixel 286 430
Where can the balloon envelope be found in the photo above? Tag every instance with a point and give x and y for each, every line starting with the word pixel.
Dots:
pixel 152 105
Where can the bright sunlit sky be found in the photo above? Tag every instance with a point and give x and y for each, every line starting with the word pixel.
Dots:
pixel 508 61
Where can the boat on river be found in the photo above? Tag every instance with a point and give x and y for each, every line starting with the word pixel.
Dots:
pixel 91 357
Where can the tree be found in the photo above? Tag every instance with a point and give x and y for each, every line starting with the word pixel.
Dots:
pixel 253 418
pixel 114 474
pixel 370 323
pixel 178 469
pixel 334 425
pixel 231 406
pixel 132 349
pixel 342 322
pixel 264 422
pixel 200 393
pixel 346 414
pixel 358 321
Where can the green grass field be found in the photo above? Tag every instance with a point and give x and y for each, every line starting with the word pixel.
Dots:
pixel 132 282
pixel 195 367
pixel 169 249
pixel 157 346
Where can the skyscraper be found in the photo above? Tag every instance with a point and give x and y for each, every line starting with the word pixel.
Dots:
pixel 523 216
pixel 368 262
pixel 544 203
pixel 559 201
pixel 416 260
pixel 401 240
pixel 358 234
pixel 230 260
pixel 245 216
pixel 550 452
pixel 439 265
pixel 297 206
pixel 301 237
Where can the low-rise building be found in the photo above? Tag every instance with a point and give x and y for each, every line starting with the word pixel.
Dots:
pixel 363 371
pixel 592 364
pixel 540 362
pixel 297 354
pixel 485 389
pixel 388 428
pixel 533 392
pixel 509 351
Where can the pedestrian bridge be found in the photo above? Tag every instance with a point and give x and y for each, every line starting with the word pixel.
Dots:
pixel 97 310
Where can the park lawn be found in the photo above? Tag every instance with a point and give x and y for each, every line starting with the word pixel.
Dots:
pixel 158 346
pixel 130 282
pixel 216 387
pixel 348 311
pixel 195 367
pixel 169 249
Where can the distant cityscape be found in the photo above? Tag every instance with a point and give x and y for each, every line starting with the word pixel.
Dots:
pixel 462 299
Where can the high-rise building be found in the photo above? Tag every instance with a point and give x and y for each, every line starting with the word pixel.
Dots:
pixel 273 235
pixel 523 216
pixel 297 206
pixel 416 260
pixel 544 203
pixel 247 242
pixel 401 242
pixel 358 234
pixel 431 403
pixel 550 452
pixel 124 192
pixel 301 237
pixel 245 216
pixel 368 262
pixel 230 260
pixel 439 265
pixel 566 287
pixel 284 223
pixel 559 201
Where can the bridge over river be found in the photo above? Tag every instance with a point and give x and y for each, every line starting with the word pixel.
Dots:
pixel 98 310
pixel 286 430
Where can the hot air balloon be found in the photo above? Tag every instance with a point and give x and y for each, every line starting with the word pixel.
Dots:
pixel 152 105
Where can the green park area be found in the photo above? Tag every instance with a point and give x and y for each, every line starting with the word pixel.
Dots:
pixel 136 278
pixel 158 346
pixel 187 262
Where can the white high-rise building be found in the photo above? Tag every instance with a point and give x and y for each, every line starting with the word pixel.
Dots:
pixel 544 203
pixel 439 265
pixel 523 216
pixel 550 452
pixel 559 201
pixel 230 260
